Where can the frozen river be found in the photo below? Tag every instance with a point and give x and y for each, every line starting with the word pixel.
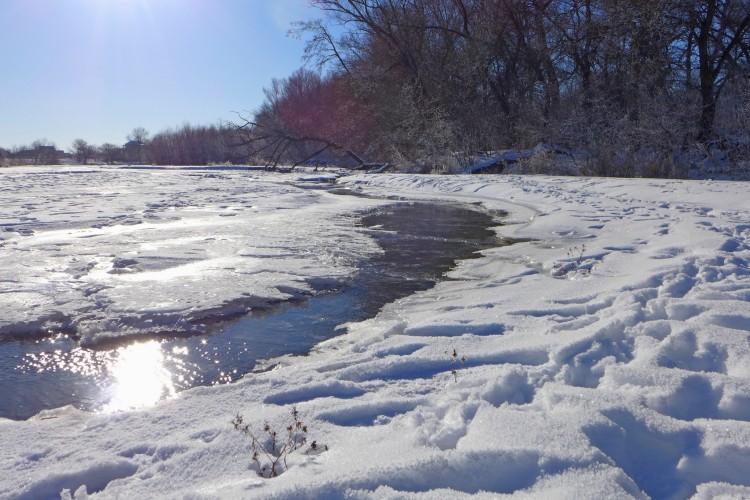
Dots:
pixel 135 364
pixel 605 355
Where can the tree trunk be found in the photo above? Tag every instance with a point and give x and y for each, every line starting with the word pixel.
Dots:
pixel 708 109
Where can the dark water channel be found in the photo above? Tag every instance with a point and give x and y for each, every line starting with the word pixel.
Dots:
pixel 420 243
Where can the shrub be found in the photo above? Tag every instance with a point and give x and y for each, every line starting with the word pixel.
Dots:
pixel 456 364
pixel 270 449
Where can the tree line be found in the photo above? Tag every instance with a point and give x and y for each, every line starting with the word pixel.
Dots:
pixel 195 145
pixel 416 81
pixel 184 145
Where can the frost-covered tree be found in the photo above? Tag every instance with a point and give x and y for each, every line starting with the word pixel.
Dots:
pixel 643 76
pixel 716 47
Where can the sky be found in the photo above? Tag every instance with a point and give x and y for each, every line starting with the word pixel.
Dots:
pixel 97 69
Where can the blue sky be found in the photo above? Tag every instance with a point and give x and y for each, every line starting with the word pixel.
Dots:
pixel 96 69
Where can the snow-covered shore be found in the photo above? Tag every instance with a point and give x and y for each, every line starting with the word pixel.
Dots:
pixel 607 356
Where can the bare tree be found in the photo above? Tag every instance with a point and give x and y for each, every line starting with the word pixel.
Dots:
pixel 304 116
pixel 82 151
pixel 191 145
pixel 641 76
pixel 718 42
pixel 139 134
pixel 478 65
pixel 110 153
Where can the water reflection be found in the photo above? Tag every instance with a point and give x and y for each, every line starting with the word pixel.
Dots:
pixel 129 377
pixel 140 377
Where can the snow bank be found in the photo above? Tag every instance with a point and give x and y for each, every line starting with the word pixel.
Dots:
pixel 605 355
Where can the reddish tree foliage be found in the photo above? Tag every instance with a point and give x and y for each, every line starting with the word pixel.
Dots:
pixel 323 109
pixel 306 115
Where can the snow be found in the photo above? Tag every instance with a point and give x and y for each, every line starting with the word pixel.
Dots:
pixel 606 354
pixel 199 244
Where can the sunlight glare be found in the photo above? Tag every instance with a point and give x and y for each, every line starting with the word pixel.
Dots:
pixel 141 379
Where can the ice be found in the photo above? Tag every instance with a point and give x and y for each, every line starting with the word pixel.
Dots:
pixel 615 370
pixel 123 252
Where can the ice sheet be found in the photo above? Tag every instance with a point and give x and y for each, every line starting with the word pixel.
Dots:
pixel 103 253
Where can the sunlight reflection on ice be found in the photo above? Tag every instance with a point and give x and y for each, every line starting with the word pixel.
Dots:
pixel 140 377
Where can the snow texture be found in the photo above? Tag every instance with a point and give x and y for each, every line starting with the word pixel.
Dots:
pixel 104 253
pixel 604 355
